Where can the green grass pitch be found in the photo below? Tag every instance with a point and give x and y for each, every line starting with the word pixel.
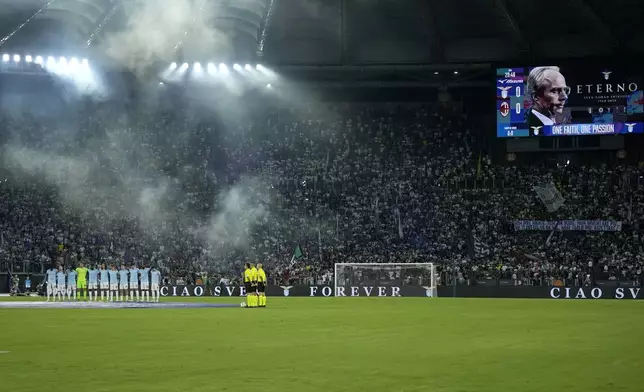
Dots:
pixel 331 345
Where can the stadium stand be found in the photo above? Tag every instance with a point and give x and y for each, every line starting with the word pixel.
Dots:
pixel 362 183
pixel 115 182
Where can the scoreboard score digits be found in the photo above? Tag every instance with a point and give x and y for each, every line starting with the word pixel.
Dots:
pixel 552 101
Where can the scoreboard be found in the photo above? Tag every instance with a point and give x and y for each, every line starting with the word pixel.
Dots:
pixel 593 101
pixel 510 102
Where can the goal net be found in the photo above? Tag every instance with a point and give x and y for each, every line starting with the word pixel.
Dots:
pixel 385 280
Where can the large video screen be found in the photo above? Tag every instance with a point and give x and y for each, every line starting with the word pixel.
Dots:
pixel 568 101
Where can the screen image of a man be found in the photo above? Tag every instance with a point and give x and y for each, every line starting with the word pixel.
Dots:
pixel 548 93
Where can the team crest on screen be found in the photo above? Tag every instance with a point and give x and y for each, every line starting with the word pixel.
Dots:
pixel 607 74
pixel 630 127
pixel 286 290
pixel 505 109
pixel 535 130
pixel 504 91
pixel 428 291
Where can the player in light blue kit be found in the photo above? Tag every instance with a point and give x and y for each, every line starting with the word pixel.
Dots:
pixel 51 283
pixel 114 284
pixel 71 284
pixel 156 282
pixel 92 283
pixel 105 282
pixel 60 283
pixel 123 283
pixel 134 282
pixel 145 283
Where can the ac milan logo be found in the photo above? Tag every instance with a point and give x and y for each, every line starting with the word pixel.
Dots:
pixel 505 109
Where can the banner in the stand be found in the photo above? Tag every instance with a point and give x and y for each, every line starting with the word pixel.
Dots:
pixel 567 225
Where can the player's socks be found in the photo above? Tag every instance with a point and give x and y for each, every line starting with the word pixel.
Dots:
pixel 138 295
pixel 102 295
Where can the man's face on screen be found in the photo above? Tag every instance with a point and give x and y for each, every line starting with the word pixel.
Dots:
pixel 552 97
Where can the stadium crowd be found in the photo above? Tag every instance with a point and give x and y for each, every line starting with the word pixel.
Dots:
pixel 345 183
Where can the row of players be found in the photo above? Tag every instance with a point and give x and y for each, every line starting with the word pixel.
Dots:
pixel 114 284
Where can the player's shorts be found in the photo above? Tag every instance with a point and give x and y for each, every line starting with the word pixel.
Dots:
pixel 105 286
pixel 71 287
pixel 134 286
pixel 123 286
pixel 61 288
pixel 92 286
pixel 81 284
pixel 114 286
pixel 155 287
pixel 261 287
pixel 145 286
pixel 51 288
pixel 249 287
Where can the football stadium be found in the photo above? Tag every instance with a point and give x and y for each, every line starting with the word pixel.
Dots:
pixel 321 195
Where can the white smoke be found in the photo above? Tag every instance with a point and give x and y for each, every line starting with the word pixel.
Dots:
pixel 242 208
pixel 103 185
pixel 155 28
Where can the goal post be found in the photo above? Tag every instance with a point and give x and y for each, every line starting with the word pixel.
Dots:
pixel 385 280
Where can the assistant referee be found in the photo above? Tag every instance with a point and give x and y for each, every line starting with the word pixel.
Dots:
pixel 261 286
pixel 249 278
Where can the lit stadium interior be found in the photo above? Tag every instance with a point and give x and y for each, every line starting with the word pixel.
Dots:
pixel 321 195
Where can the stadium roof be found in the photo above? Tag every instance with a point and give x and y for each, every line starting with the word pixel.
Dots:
pixel 452 31
pixel 386 31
